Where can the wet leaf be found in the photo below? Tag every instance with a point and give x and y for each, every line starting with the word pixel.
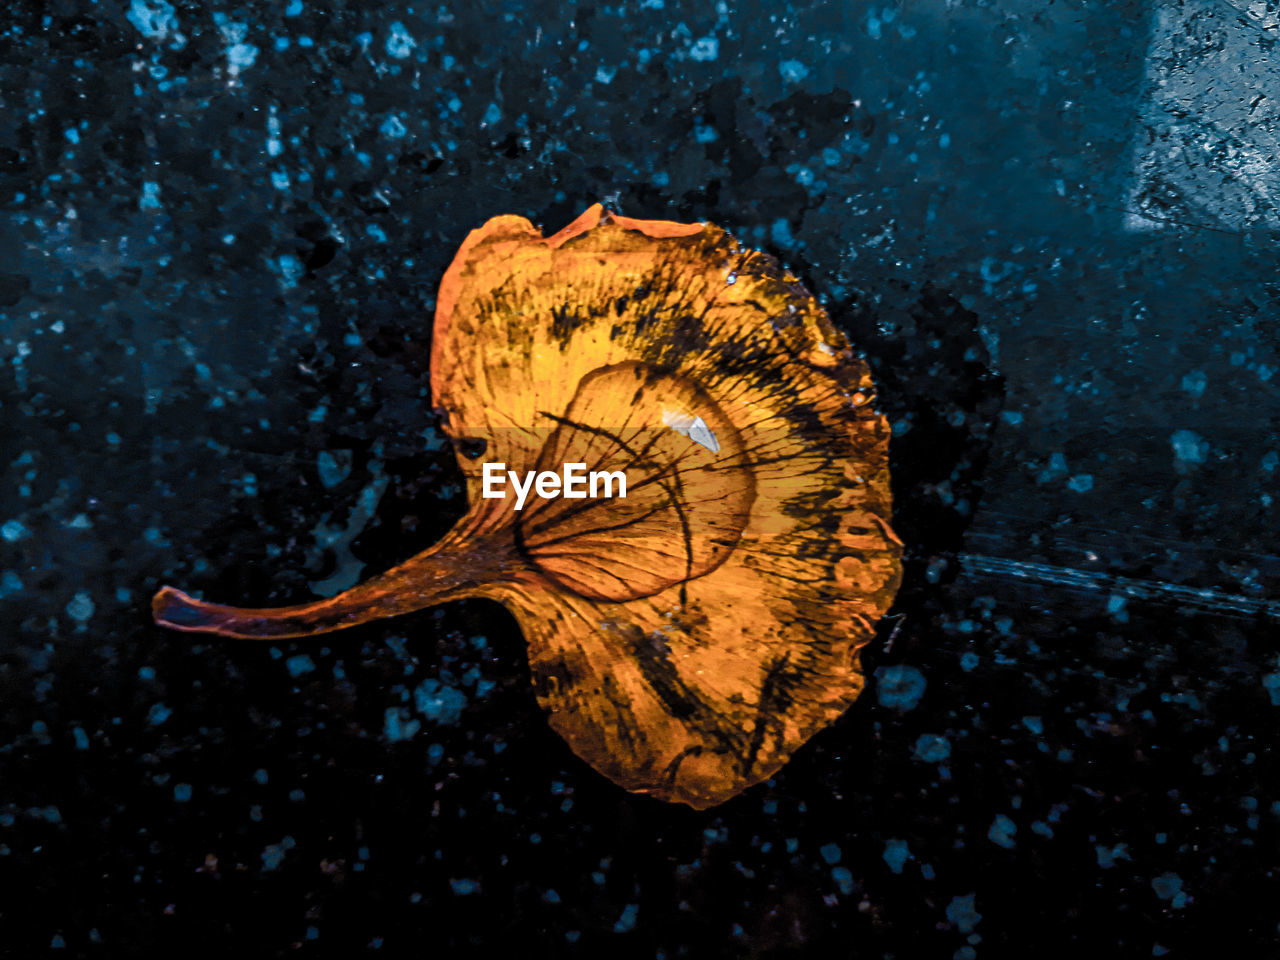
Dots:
pixel 688 638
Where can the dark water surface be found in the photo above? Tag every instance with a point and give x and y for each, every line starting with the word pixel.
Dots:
pixel 1048 225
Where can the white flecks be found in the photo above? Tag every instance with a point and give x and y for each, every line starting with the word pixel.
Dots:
pixel 1189 449
pixel 695 428
pixel 780 233
pixel 793 71
pixel 803 175
pixel 274 146
pixel 1195 382
pixel 13 531
pixel 708 48
pixel 10 583
pixel 240 55
pixel 705 133
pixel 153 18
pixel 991 340
pixel 1056 468
pixel 290 269
pixel 393 128
pixel 400 43
pixel 1081 482
pixel 80 607
pixel 150 199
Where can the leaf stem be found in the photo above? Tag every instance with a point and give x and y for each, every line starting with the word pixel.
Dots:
pixel 437 575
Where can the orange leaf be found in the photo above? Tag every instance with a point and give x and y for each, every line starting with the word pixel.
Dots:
pixel 687 638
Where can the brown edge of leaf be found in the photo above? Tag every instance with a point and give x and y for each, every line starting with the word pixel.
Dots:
pixel 516 228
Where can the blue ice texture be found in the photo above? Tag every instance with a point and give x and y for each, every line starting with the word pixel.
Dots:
pixel 900 686
pixel 896 854
pixel 962 912
pixel 932 748
pixel 1002 831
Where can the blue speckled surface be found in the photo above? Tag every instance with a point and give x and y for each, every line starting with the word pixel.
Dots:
pixel 1049 225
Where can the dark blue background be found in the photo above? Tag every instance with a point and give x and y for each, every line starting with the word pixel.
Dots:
pixel 1047 224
